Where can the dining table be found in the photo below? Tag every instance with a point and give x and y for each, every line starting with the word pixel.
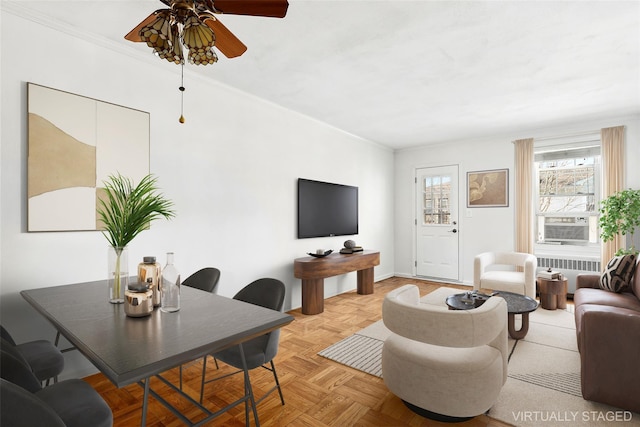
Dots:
pixel 130 350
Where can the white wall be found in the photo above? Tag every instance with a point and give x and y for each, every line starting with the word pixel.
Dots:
pixel 487 228
pixel 231 171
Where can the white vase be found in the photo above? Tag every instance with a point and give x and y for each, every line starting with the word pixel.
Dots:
pixel 118 273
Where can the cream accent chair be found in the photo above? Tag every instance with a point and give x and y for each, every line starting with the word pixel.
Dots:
pixel 520 282
pixel 449 365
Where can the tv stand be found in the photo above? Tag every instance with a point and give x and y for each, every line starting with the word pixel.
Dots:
pixel 314 270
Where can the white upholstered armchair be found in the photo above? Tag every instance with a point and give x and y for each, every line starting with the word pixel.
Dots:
pixel 444 364
pixel 489 272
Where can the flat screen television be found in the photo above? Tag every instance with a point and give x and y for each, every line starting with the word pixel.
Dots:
pixel 326 209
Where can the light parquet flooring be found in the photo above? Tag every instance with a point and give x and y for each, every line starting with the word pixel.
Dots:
pixel 318 392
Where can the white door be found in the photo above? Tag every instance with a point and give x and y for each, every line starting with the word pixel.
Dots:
pixel 437 222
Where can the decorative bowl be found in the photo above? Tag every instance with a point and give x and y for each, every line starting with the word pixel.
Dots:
pixel 320 255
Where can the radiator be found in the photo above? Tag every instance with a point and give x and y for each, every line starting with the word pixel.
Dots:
pixel 569 267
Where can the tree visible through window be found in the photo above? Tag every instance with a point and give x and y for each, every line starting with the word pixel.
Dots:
pixel 567 193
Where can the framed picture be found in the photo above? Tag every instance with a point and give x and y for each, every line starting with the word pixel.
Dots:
pixel 488 189
pixel 74 144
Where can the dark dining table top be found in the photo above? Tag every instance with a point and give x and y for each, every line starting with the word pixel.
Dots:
pixel 128 349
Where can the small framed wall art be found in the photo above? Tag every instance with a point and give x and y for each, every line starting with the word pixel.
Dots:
pixel 488 188
pixel 74 144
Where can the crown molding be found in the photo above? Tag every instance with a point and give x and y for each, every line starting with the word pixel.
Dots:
pixel 21 10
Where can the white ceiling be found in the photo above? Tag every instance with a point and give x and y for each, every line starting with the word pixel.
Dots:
pixel 408 73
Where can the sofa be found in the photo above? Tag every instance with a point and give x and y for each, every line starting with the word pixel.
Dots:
pixel 608 333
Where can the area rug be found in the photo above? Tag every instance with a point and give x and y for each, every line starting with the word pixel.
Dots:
pixel 543 385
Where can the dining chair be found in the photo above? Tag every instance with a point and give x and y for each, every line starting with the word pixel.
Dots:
pixel 205 279
pixel 69 403
pixel 260 351
pixel 45 360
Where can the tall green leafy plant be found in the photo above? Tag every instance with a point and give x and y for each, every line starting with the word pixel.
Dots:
pixel 620 214
pixel 127 210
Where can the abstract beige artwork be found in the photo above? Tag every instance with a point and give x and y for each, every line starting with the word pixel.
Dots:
pixel 75 143
pixel 488 188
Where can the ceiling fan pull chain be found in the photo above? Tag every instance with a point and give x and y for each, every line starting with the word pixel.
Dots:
pixel 181 120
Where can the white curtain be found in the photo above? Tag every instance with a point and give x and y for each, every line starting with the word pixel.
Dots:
pixel 524 209
pixel 612 140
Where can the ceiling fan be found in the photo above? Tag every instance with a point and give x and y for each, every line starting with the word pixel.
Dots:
pixel 192 23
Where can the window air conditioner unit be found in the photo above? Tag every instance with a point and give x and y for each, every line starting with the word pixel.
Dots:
pixel 566 229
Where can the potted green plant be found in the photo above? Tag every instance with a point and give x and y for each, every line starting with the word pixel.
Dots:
pixel 620 214
pixel 125 211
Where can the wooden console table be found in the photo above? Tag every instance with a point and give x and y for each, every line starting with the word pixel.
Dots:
pixel 314 270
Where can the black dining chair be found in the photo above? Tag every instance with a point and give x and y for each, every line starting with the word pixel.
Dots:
pixel 45 360
pixel 205 279
pixel 260 351
pixel 69 403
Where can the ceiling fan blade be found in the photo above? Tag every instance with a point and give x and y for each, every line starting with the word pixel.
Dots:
pixel 134 35
pixel 226 41
pixel 268 8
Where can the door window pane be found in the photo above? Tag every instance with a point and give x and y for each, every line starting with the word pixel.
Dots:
pixel 437 194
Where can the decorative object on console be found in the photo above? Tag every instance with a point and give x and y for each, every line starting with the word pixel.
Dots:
pixel 350 247
pixel 320 254
pixel 125 212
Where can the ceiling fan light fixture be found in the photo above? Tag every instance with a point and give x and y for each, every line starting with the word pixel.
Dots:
pixel 159 34
pixel 199 39
pixel 158 29
pixel 199 29
pixel 202 56
pixel 175 54
pixel 196 34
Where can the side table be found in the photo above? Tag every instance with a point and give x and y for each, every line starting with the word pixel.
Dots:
pixel 553 293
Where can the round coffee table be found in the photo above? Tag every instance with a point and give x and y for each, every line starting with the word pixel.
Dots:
pixel 516 304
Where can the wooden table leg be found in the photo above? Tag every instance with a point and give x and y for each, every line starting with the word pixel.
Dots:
pixel 312 296
pixel 365 281
pixel 524 328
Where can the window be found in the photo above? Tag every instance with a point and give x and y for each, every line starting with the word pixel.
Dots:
pixel 567 192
